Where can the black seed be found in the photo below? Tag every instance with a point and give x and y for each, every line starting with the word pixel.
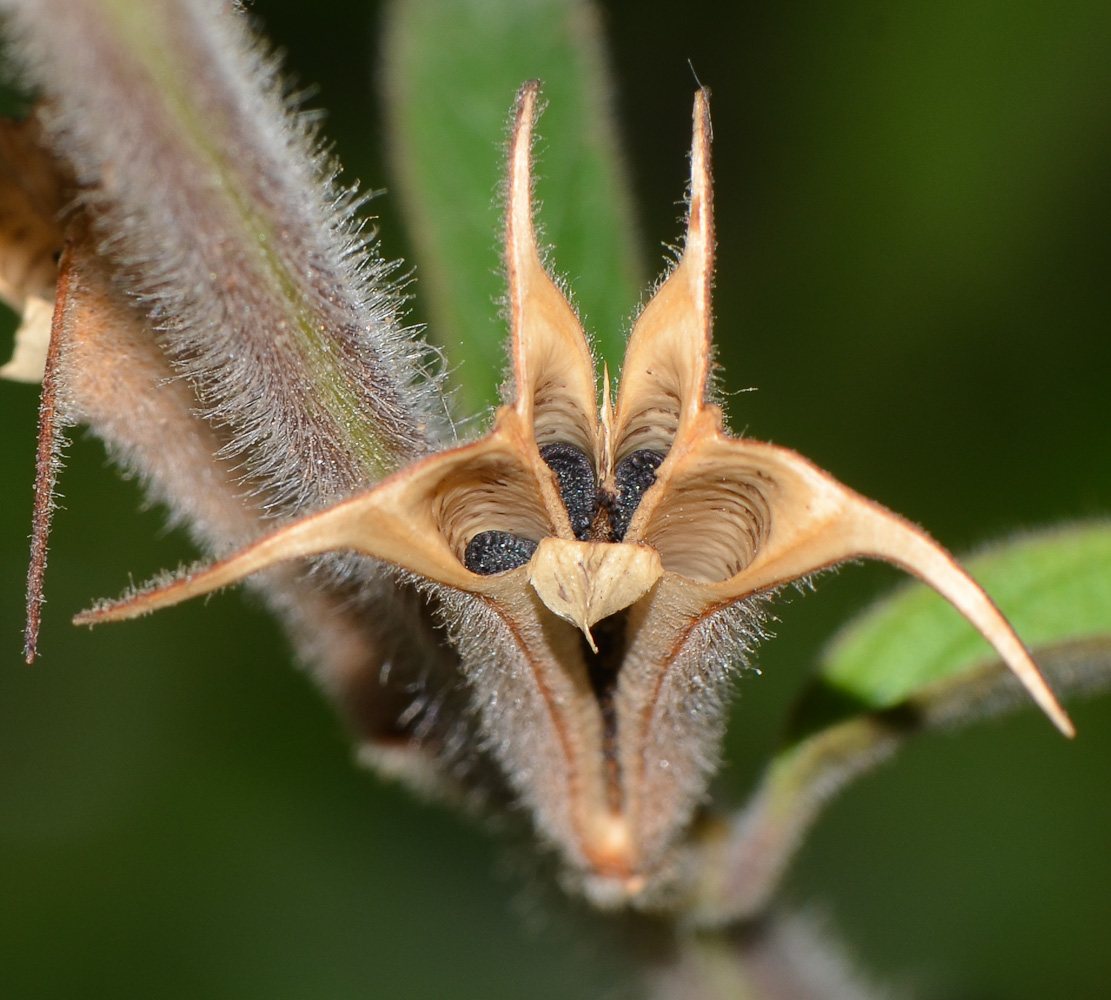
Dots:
pixel 633 475
pixel 492 552
pixel 577 488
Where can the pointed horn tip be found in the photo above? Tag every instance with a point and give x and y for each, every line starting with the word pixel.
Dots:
pixel 1037 687
pixel 1059 717
pixel 138 604
pixel 700 194
pixel 527 97
pixel 519 236
pixel 703 124
pixel 30 642
pixel 99 614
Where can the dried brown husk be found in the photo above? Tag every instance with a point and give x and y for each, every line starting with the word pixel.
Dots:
pixel 599 668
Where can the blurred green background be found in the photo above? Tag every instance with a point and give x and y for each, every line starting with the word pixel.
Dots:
pixel 914 225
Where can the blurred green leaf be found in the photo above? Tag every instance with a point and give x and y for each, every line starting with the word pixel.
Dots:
pixel 452 69
pixel 743 858
pixel 1052 586
pixel 911 664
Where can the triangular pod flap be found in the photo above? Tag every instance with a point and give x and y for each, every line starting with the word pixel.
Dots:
pixel 766 516
pixel 33 190
pixel 552 367
pixel 420 520
pixel 32 341
pixel 32 193
pixel 584 582
pixel 666 370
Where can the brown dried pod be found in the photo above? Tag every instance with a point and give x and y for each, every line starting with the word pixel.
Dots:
pixel 32 195
pixel 599 571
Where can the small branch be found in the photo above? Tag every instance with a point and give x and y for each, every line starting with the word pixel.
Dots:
pixel 781 957
pixel 740 861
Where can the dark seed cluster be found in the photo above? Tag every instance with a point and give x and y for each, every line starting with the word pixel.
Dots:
pixel 577 486
pixel 634 474
pixel 492 552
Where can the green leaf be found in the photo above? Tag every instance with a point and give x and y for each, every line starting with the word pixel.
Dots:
pixel 452 70
pixel 910 664
pixel 742 857
pixel 1052 586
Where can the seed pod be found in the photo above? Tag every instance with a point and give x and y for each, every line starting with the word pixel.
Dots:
pixel 600 666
